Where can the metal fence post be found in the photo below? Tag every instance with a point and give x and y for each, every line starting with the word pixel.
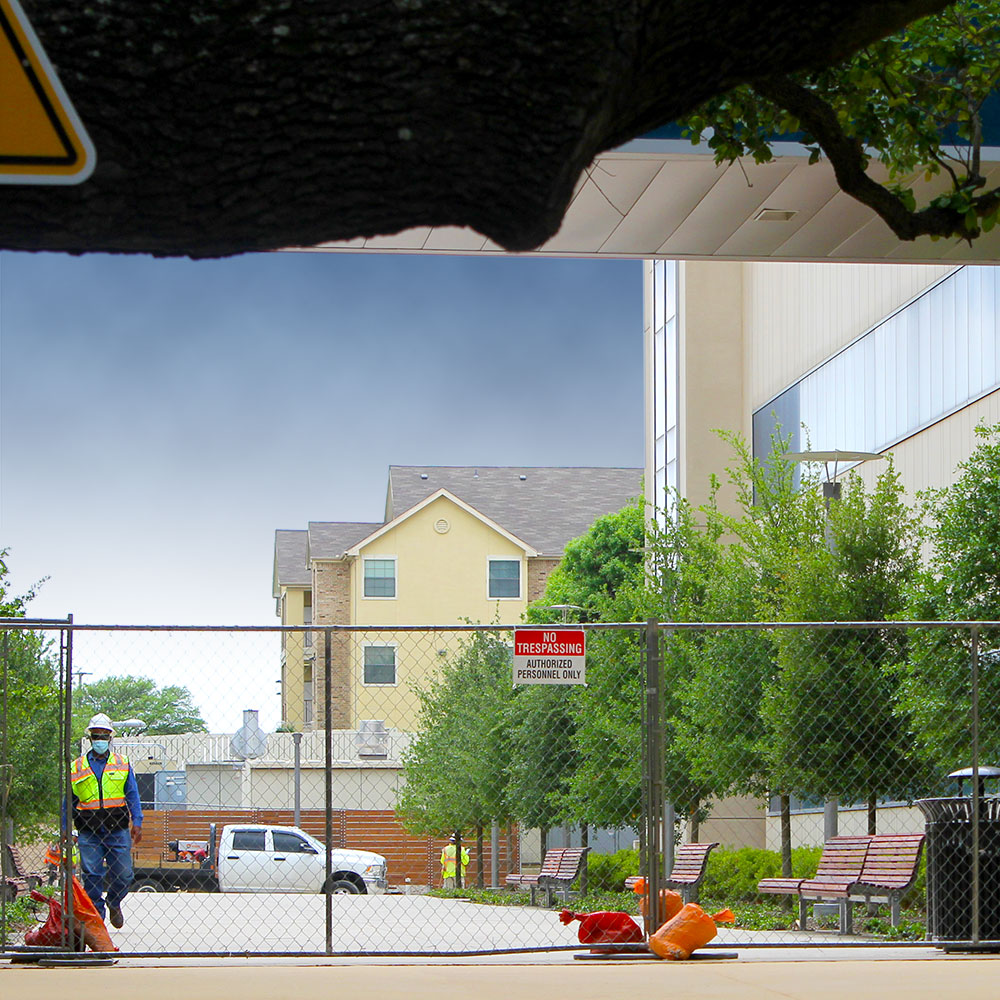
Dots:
pixel 653 772
pixel 328 784
pixel 975 785
pixel 297 803
pixel 5 780
pixel 66 829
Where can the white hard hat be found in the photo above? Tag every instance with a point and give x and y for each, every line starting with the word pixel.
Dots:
pixel 100 721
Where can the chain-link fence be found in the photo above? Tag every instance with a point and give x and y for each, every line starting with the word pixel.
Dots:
pixel 396 792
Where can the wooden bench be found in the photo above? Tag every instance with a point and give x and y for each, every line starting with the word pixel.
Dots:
pixel 888 873
pixel 841 861
pixel 690 861
pixel 560 868
pixel 19 880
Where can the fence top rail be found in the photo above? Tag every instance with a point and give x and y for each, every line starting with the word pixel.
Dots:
pixel 25 624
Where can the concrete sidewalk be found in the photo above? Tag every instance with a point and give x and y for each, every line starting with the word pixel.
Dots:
pixel 804 975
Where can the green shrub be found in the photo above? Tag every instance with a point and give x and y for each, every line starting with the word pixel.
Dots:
pixel 732 875
pixel 607 872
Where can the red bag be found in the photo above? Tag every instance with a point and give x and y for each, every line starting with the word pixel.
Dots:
pixel 90 929
pixel 604 927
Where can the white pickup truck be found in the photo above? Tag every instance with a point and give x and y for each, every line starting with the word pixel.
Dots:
pixel 255 858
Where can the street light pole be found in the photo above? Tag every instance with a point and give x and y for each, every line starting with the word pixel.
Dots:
pixel 831 492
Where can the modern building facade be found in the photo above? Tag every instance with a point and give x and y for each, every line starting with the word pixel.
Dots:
pixel 456 545
pixel 876 358
pixel 900 358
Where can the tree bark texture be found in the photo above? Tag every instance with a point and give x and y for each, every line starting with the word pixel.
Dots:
pixel 224 126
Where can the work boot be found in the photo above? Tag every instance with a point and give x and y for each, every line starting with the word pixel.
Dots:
pixel 115 915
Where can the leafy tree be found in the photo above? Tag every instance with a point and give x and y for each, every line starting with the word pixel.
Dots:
pixel 595 565
pixel 779 521
pixel 905 100
pixel 456 768
pixel 606 785
pixel 452 112
pixel 962 584
pixel 31 773
pixel 833 708
pixel 164 710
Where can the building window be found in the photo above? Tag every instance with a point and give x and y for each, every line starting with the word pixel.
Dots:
pixel 505 578
pixel 921 363
pixel 380 578
pixel 380 664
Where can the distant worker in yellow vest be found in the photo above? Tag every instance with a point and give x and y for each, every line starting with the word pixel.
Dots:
pixel 107 814
pixel 53 859
pixel 448 863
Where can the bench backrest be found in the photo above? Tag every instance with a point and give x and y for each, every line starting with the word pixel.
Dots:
pixel 690 861
pixel 16 861
pixel 892 860
pixel 569 862
pixel 551 861
pixel 843 858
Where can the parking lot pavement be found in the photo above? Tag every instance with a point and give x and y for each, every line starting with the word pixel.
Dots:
pixel 283 922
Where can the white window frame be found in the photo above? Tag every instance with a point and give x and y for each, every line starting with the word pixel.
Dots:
pixel 520 577
pixel 395 577
pixel 388 644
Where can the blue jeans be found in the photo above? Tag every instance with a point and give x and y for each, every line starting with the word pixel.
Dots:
pixel 106 863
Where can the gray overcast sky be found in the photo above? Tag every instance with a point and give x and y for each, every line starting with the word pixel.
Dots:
pixel 160 418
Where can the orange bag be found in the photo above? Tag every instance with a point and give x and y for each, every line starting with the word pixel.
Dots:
pixel 95 933
pixel 688 930
pixel 604 927
pixel 670 901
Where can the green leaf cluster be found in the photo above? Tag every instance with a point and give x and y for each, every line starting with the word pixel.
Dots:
pixel 165 710
pixel 30 775
pixel 912 101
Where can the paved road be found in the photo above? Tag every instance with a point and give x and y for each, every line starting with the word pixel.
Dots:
pixel 292 922
pixel 283 922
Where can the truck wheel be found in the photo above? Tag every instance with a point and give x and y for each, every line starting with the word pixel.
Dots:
pixel 147 885
pixel 342 887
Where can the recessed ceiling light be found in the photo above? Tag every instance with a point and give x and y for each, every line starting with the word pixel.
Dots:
pixel 774 215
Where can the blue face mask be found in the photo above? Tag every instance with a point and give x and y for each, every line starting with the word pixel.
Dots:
pixel 100 746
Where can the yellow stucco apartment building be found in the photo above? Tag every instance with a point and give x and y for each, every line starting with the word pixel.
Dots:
pixel 456 545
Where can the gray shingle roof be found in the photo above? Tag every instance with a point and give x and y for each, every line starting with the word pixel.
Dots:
pixel 545 507
pixel 290 567
pixel 331 539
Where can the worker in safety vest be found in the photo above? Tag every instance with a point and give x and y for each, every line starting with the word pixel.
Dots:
pixel 448 863
pixel 107 814
pixel 53 859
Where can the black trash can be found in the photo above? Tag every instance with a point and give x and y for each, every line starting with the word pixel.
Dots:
pixel 949 869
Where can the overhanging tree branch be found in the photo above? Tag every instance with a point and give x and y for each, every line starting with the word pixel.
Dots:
pixel 223 126
pixel 847 157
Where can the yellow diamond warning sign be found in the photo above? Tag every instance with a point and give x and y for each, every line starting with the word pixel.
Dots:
pixel 42 141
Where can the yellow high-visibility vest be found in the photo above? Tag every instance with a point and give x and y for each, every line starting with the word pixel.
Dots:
pixel 109 792
pixel 448 860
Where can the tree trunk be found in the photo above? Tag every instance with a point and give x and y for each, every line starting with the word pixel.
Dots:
pixel 544 839
pixel 693 823
pixel 584 842
pixel 480 867
pixel 872 814
pixel 786 845
pixel 225 126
